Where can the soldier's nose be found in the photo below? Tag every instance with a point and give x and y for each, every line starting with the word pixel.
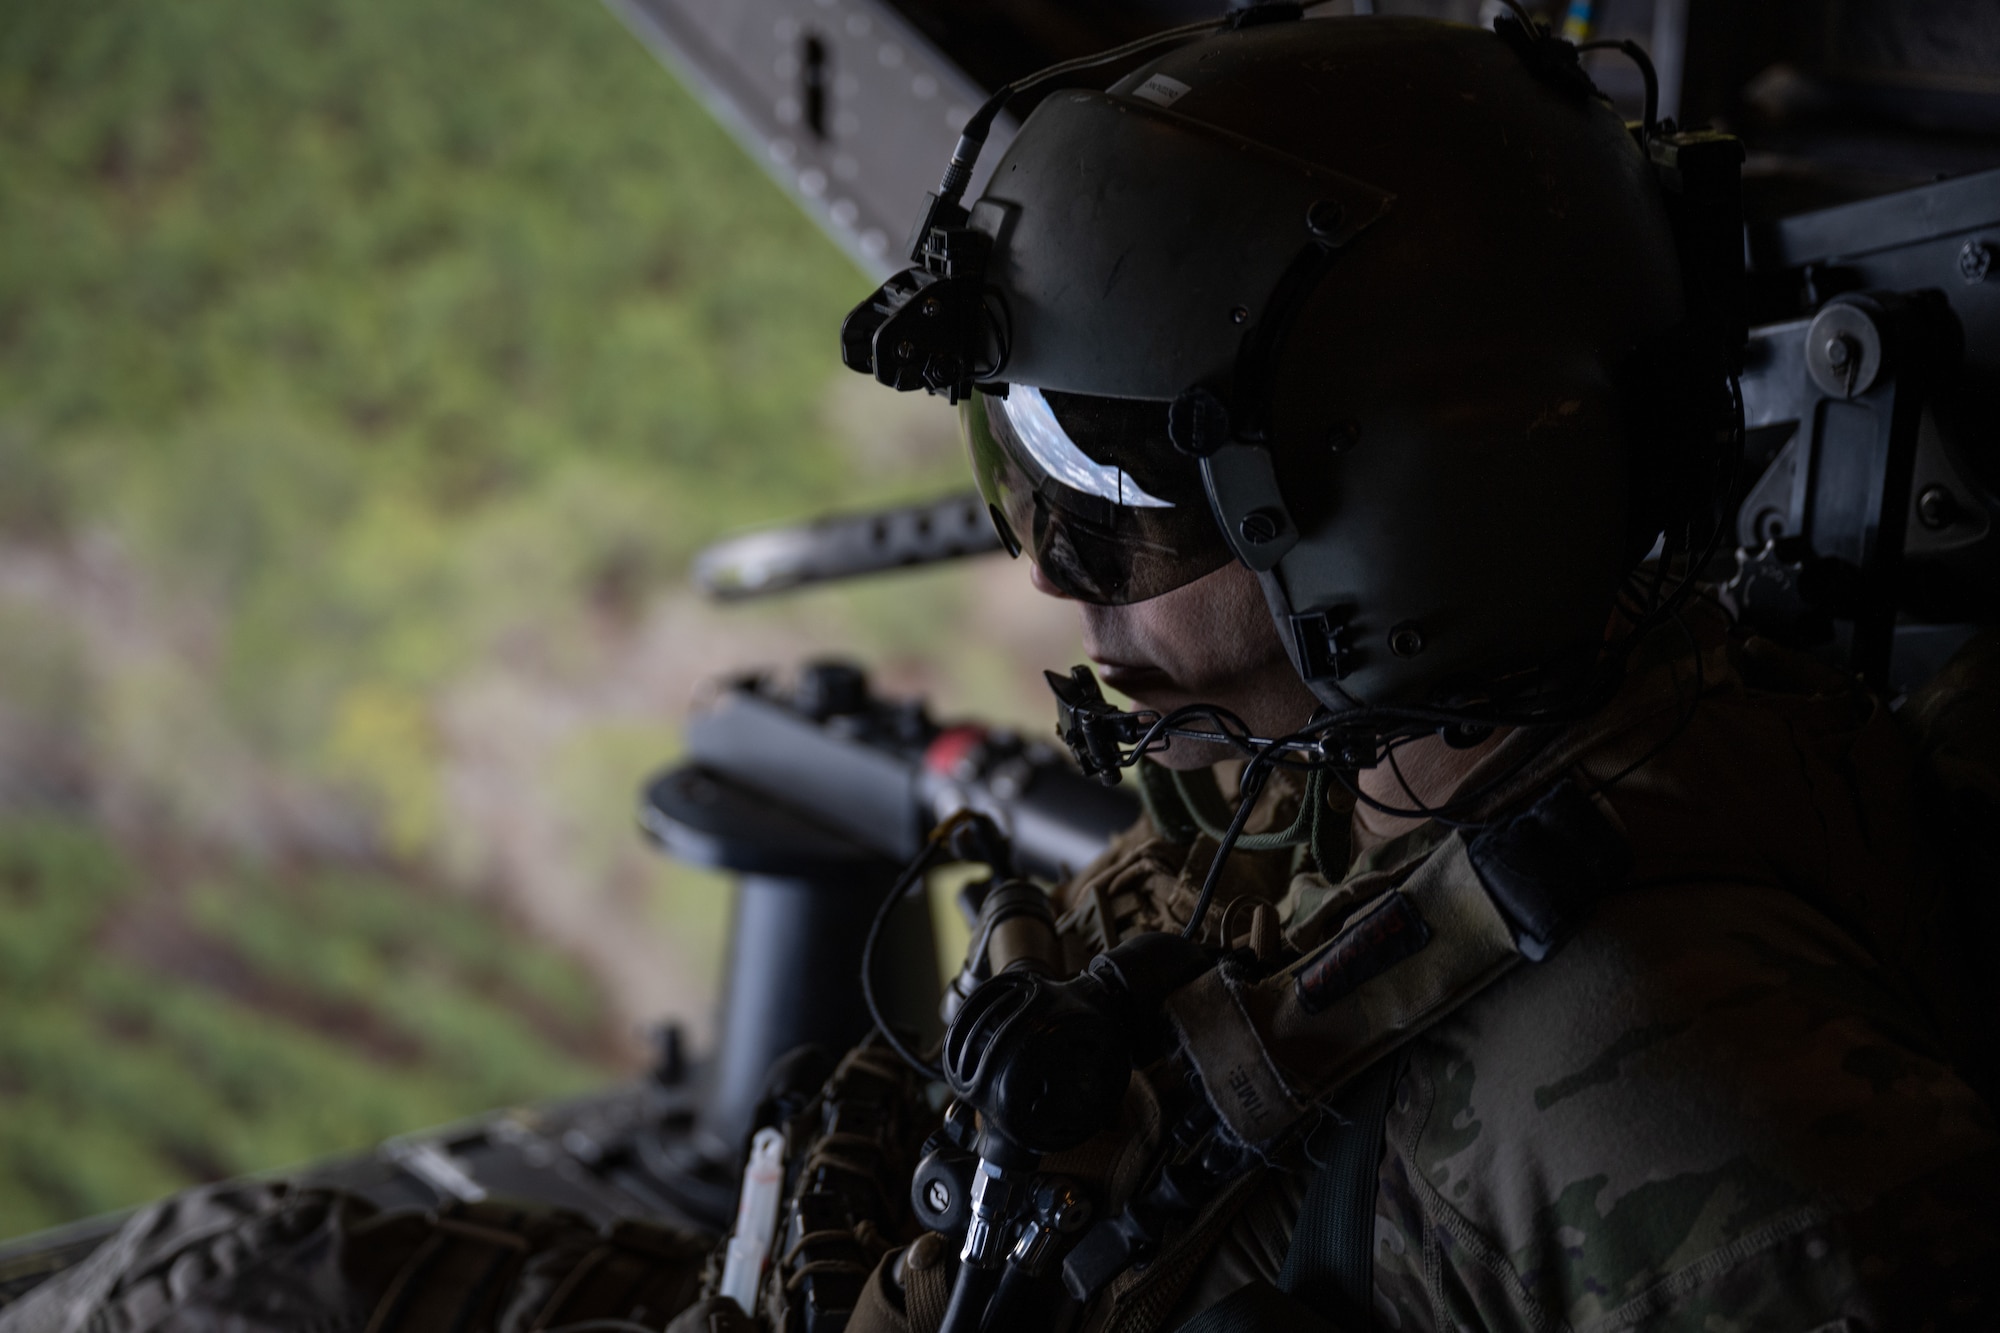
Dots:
pixel 1042 584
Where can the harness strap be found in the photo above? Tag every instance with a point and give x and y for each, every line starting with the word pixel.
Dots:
pixel 1269 1049
pixel 1327 1283
pixel 1184 805
pixel 1330 1266
pixel 1258 1308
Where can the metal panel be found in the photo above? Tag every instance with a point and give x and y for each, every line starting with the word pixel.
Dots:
pixel 1889 222
pixel 850 108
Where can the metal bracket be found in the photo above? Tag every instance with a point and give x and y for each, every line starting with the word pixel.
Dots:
pixel 925 327
pixel 1242 486
pixel 1092 728
pixel 1830 516
pixel 1321 645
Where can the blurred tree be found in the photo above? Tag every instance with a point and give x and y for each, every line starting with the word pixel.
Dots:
pixel 351 358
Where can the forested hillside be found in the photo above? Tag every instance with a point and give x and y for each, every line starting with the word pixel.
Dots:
pixel 368 374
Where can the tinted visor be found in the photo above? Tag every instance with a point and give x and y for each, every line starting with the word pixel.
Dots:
pixel 1094 491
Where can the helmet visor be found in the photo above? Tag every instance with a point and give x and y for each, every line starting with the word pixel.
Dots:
pixel 1093 490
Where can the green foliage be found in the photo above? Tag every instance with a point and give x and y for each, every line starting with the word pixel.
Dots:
pixel 149 1042
pixel 55 884
pixel 377 343
pixel 486 241
pixel 406 330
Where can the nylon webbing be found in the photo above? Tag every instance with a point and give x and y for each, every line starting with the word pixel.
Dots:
pixel 1202 798
pixel 1327 1284
pixel 1330 1266
pixel 1164 805
pixel 1258 1308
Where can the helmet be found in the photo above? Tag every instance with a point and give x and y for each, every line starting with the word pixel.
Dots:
pixel 1373 305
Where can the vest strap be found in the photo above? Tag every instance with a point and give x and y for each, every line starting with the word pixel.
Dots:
pixel 1331 1263
pixel 1257 1308
pixel 1328 1280
pixel 1267 1050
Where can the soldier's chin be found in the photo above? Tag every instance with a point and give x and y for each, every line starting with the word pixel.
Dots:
pixel 1183 755
pixel 1151 688
pixel 1145 685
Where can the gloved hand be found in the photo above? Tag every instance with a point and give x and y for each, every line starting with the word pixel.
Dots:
pixel 1047 1063
pixel 907 1292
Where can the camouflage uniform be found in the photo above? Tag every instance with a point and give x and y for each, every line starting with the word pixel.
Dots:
pixel 254 1257
pixel 1728 1103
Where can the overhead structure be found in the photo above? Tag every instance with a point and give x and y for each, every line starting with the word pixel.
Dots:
pixel 854 104
pixel 846 103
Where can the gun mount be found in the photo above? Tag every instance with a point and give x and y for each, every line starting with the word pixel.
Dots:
pixel 813 796
pixel 816 797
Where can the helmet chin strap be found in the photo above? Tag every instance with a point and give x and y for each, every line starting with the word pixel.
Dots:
pixel 1105 739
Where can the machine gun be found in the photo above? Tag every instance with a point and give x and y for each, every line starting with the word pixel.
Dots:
pixel 814 795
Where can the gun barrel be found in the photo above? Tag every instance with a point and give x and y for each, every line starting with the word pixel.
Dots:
pixel 772 560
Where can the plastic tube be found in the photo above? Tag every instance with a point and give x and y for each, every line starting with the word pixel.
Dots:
pixel 756 1219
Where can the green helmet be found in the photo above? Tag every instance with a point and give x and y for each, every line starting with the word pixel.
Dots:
pixel 1383 308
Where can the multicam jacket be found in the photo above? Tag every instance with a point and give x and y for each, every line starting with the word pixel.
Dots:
pixel 1728 1103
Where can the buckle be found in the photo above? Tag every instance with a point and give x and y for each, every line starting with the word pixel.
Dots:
pixel 1322 644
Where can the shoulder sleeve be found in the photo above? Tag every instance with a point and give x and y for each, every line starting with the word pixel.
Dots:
pixel 1711 1110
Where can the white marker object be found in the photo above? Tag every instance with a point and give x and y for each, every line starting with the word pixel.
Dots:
pixel 756 1220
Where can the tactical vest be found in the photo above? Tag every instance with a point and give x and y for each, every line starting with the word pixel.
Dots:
pixel 1409 936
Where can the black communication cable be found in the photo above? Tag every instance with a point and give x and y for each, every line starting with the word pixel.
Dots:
pixel 972 138
pixel 1256 772
pixel 912 876
pixel 1161 733
pixel 1250 788
pixel 1419 809
pixel 1637 55
pixel 1442 813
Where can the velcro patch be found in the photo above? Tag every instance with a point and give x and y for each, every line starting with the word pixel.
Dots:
pixel 1545 867
pixel 1162 90
pixel 1384 937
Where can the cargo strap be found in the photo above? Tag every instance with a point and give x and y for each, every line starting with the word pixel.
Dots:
pixel 1328 1280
